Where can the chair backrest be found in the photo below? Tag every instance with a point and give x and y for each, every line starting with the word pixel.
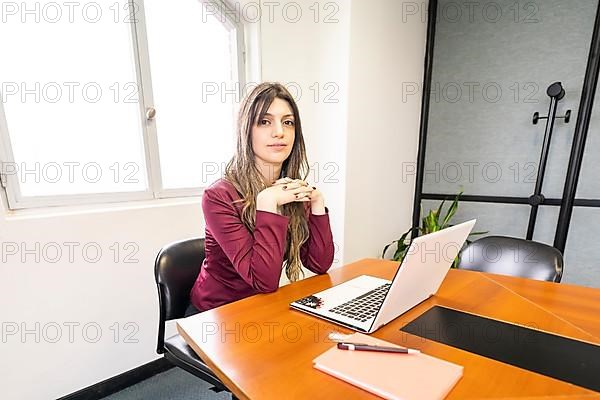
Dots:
pixel 513 256
pixel 175 270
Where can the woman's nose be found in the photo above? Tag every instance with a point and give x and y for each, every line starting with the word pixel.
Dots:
pixel 277 130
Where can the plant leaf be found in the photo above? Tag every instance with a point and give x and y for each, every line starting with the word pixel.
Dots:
pixel 439 212
pixel 455 263
pixel 399 254
pixel 402 246
pixel 430 223
pixel 451 211
pixel 386 247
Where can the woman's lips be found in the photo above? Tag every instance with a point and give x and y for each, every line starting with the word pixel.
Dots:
pixel 278 147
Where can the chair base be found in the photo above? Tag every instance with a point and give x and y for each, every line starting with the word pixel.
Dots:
pixel 178 352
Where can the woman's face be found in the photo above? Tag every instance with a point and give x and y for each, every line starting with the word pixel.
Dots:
pixel 273 136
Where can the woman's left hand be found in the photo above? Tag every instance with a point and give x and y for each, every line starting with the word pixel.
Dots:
pixel 317 201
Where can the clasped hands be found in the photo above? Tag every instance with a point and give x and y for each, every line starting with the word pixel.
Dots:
pixel 288 190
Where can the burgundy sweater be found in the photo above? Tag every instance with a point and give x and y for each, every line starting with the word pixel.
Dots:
pixel 240 263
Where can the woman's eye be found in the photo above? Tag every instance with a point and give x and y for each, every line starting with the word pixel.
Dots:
pixel 264 122
pixel 290 123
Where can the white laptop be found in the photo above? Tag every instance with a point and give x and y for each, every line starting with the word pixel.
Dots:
pixel 366 303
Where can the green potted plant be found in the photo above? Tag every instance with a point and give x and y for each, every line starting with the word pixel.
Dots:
pixel 432 222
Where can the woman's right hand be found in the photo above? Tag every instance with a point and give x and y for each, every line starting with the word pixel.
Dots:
pixel 283 191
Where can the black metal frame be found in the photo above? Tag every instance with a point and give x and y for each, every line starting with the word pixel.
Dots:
pixel 431 19
pixel 581 129
pixel 568 200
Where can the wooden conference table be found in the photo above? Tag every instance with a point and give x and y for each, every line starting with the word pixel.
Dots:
pixel 261 349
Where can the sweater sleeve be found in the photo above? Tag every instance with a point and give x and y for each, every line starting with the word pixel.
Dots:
pixel 317 252
pixel 257 257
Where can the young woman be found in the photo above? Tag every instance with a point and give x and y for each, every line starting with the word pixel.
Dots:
pixel 262 216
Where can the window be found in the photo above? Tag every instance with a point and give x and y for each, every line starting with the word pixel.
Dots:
pixel 115 101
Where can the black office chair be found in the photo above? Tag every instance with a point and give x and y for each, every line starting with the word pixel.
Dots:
pixel 175 270
pixel 512 256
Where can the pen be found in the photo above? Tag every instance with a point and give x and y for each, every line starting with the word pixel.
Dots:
pixel 367 347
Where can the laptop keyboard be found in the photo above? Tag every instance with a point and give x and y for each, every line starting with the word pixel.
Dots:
pixel 365 306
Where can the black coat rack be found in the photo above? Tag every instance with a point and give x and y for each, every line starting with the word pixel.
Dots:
pixel 556 92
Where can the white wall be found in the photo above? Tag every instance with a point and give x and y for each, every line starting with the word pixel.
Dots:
pixel 364 54
pixel 312 59
pixel 382 129
pixel 78 290
pixel 359 142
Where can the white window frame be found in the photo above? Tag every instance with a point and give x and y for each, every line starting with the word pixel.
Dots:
pixel 10 183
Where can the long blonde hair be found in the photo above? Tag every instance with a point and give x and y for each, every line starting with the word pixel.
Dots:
pixel 243 173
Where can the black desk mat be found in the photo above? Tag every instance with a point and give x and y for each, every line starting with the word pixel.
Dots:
pixel 547 354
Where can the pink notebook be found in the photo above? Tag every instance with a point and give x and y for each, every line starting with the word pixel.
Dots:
pixel 390 375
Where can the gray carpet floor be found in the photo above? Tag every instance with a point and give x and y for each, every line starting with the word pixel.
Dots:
pixel 175 384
